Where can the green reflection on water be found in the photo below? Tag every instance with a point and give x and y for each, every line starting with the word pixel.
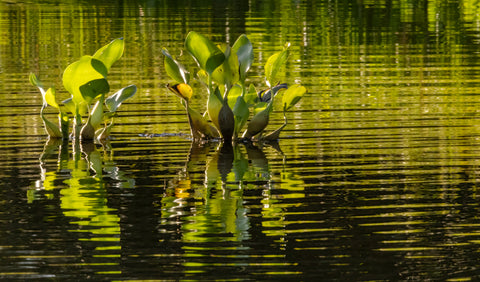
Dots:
pixel 83 196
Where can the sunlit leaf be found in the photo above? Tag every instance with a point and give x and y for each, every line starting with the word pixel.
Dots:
pixel 182 90
pixel 259 107
pixel 110 53
pixel 174 69
pixel 115 100
pixel 274 63
pixel 96 116
pixel 227 73
pixel 292 95
pixel 85 79
pixel 70 105
pixel 244 50
pixel 233 94
pixel 214 104
pixel 36 82
pixel 207 55
pixel 241 113
pixel 50 98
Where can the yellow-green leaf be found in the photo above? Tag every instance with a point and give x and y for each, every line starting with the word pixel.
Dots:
pixel 207 55
pixel 292 95
pixel 110 53
pixel 174 69
pixel 274 63
pixel 85 79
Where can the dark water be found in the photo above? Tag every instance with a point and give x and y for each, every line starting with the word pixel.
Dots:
pixel 376 178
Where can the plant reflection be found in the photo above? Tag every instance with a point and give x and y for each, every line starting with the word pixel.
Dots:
pixel 83 197
pixel 216 196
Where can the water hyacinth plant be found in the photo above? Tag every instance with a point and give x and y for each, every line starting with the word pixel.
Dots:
pixel 223 72
pixel 86 81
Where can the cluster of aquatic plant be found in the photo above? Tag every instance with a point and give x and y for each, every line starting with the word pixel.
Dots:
pixel 223 72
pixel 86 80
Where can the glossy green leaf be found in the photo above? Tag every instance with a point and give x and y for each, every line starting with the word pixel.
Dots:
pixel 115 100
pixel 241 113
pixel 214 104
pixel 85 79
pixel 50 98
pixel 207 55
pixel 110 53
pixel 174 69
pixel 233 94
pixel 227 73
pixel 292 95
pixel 244 50
pixel 274 63
pixel 96 116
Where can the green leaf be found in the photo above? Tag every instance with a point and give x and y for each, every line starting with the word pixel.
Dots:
pixel 50 98
pixel 35 81
pixel 214 104
pixel 199 125
pixel 292 95
pixel 52 129
pixel 96 116
pixel 226 120
pixel 115 100
pixel 110 53
pixel 207 55
pixel 85 79
pixel 174 69
pixel 251 96
pixel 227 73
pixel 259 121
pixel 241 113
pixel 233 94
pixel 274 63
pixel 259 107
pixel 244 50
pixel 70 105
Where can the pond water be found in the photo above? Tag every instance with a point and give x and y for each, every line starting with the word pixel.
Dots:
pixel 375 178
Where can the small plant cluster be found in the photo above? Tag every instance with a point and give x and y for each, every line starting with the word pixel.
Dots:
pixel 223 72
pixel 86 81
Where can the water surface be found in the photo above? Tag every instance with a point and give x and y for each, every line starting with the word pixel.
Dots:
pixel 376 177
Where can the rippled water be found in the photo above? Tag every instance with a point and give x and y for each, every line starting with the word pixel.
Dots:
pixel 375 178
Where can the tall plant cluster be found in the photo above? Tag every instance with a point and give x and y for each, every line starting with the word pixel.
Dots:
pixel 86 80
pixel 223 72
